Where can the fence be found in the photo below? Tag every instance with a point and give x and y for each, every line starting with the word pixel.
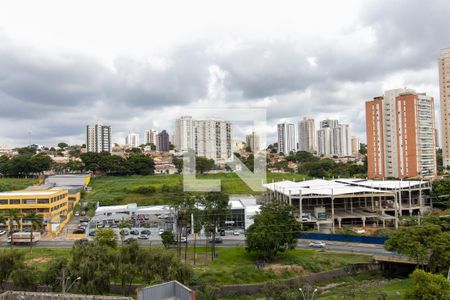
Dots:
pixel 344 238
pixel 168 290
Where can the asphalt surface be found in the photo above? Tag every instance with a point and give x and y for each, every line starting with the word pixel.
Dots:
pixel 234 242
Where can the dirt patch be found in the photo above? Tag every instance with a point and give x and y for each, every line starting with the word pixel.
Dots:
pixel 279 269
pixel 37 260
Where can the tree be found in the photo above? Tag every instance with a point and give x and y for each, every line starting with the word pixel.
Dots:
pixel 168 239
pixel 122 225
pixel 127 265
pixel 25 278
pixel 178 162
pixel 428 286
pixel 10 260
pixel 54 272
pixel 363 149
pixel 275 229
pixel 63 145
pixel 35 224
pixel 141 164
pixel 106 237
pixel 215 211
pixel 203 164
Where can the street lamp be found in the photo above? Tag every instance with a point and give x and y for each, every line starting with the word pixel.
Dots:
pixel 303 294
pixel 71 285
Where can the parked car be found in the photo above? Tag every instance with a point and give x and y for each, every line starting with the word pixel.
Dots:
pixel 317 245
pixel 2 232
pixel 161 230
pixel 79 231
pixel 91 233
pixel 77 214
pixel 217 240
pixel 84 220
pixel 124 232
pixel 83 213
pixel 143 236
pixel 129 240
pixel 134 232
pixel 183 240
pixel 236 232
pixel 222 232
pixel 146 231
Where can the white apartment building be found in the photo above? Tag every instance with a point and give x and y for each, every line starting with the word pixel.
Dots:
pixel 286 138
pixel 132 140
pixel 307 135
pixel 334 139
pixel 151 136
pixel 254 142
pixel 184 134
pixel 98 138
pixel 212 139
pixel 356 144
pixel 444 84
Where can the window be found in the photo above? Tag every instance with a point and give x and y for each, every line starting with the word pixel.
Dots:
pixel 14 201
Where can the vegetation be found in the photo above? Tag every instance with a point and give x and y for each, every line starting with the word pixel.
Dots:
pixel 275 229
pixel 25 164
pixel 428 286
pixel 11 184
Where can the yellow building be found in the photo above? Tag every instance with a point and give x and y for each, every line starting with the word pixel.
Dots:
pixel 51 205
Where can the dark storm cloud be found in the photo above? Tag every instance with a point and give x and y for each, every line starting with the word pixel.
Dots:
pixel 317 77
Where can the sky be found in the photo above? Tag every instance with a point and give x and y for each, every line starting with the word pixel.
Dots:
pixel 137 65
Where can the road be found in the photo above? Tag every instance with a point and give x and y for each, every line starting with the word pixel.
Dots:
pixel 237 242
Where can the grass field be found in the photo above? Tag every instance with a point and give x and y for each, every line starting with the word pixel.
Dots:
pixel 235 265
pixel 109 190
pixel 10 184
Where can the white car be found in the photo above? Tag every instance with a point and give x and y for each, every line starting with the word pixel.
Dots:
pixel 317 245
pixel 76 214
pixel 2 232
pixel 161 231
pixel 236 232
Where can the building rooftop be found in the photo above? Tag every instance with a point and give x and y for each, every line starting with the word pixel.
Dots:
pixel 25 193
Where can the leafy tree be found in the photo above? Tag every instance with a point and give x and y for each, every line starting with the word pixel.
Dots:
pixel 275 229
pixel 10 260
pixel 122 225
pixel 127 265
pixel 54 272
pixel 63 145
pixel 141 164
pixel 25 278
pixel 74 166
pixel 428 286
pixel 363 149
pixel 168 239
pixel 203 164
pixel 178 162
pixel 26 151
pixel 36 224
pixel 106 237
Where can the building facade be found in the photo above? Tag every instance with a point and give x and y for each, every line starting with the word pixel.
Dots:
pixel 286 138
pixel 334 139
pixel 162 144
pixel 98 138
pixel 356 144
pixel 444 85
pixel 400 135
pixel 132 140
pixel 184 134
pixel 253 141
pixel 307 135
pixel 212 139
pixel 151 136
pixel 324 146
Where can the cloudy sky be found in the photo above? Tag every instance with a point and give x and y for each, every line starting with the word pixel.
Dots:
pixel 140 64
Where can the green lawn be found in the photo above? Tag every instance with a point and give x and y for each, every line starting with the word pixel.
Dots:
pixel 10 184
pixel 110 190
pixel 235 265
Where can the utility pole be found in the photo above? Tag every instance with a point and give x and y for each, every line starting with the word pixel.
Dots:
pixel 63 281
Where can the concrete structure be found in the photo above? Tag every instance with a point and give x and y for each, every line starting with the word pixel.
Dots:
pixel 356 144
pixel 184 134
pixel 444 84
pixel 253 141
pixel 20 295
pixel 151 136
pixel 334 139
pixel 307 135
pixel 98 138
pixel 324 146
pixel 163 141
pixel 51 205
pixel 286 138
pixel 327 203
pixel 132 140
pixel 212 139
pixel 328 123
pixel 172 290
pixel 400 135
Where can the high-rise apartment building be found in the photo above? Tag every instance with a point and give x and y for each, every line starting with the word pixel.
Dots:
pixel 162 144
pixel 286 138
pixel 333 139
pixel 307 135
pixel 400 135
pixel 151 136
pixel 98 138
pixel 184 134
pixel 444 84
pixel 254 142
pixel 212 139
pixel 356 144
pixel 132 140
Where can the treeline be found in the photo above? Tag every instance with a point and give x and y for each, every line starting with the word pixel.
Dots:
pixel 25 164
pixel 325 167
pixel 134 164
pixel 96 265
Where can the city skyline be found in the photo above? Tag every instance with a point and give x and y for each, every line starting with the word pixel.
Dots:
pixel 56 79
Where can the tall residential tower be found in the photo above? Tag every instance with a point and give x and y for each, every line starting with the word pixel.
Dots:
pixel 286 138
pixel 444 83
pixel 307 135
pixel 98 138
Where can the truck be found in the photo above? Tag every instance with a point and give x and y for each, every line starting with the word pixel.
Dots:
pixel 24 237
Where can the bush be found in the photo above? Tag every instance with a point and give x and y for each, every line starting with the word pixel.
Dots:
pixel 142 190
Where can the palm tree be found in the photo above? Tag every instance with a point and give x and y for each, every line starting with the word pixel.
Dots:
pixel 13 217
pixel 36 224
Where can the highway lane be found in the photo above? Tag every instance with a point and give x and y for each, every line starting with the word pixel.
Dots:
pixel 237 242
